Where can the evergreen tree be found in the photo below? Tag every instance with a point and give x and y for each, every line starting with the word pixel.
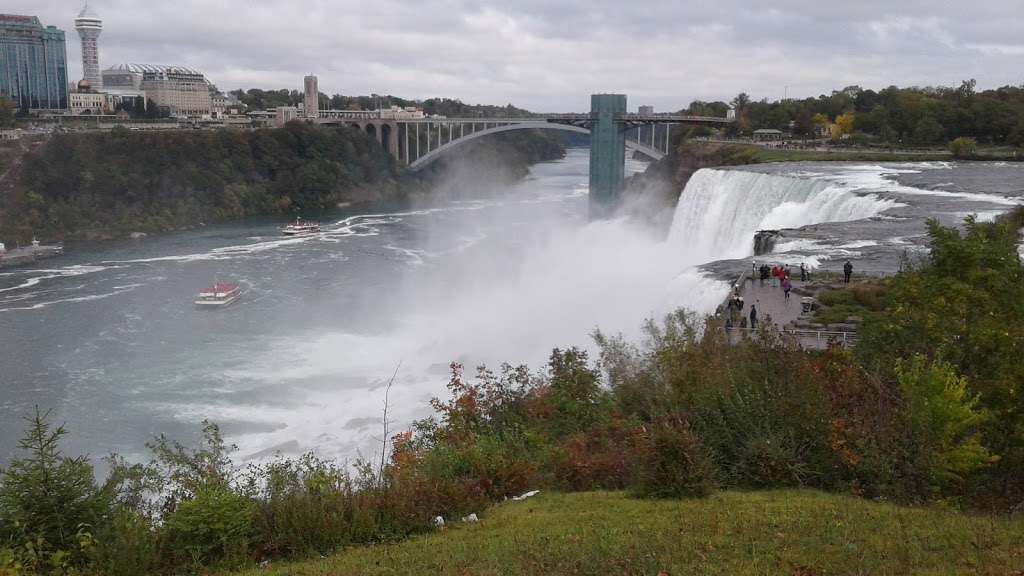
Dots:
pixel 48 501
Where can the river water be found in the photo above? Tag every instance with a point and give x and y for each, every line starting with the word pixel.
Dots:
pixel 107 338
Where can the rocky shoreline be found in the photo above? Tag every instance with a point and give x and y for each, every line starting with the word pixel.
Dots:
pixel 29 255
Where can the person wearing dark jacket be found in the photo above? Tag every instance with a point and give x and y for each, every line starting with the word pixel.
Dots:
pixel 753 317
pixel 847 272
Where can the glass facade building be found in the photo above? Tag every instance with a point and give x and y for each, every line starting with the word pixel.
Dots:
pixel 33 64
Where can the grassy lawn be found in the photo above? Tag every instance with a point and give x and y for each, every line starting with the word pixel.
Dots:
pixel 791 532
pixel 873 155
pixel 778 155
pixel 841 301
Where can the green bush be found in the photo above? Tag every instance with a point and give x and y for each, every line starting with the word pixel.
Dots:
pixel 963 147
pixel 301 506
pixel 213 527
pixel 944 422
pixel 601 458
pixel 671 462
pixel 770 461
pixel 126 545
pixel 965 306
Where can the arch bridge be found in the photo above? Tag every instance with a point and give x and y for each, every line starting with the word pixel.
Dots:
pixel 419 141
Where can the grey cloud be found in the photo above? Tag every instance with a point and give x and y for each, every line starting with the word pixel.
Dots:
pixel 550 56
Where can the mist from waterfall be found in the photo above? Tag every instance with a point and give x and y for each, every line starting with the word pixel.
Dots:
pixel 519 288
pixel 301 362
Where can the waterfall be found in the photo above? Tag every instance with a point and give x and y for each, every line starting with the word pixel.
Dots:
pixel 719 211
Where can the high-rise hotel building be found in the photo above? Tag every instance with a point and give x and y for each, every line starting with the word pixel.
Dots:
pixel 33 64
pixel 89 28
pixel 181 91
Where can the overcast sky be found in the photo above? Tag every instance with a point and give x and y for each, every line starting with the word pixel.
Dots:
pixel 549 55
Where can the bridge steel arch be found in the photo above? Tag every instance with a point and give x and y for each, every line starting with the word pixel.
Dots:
pixel 436 153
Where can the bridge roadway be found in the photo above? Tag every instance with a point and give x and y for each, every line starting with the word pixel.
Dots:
pixel 418 141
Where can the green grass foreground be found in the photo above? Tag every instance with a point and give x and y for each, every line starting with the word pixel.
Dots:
pixel 798 532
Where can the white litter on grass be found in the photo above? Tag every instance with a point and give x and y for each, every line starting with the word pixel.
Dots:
pixel 529 494
pixel 470 518
pixel 439 522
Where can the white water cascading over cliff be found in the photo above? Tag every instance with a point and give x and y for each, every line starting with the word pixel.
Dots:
pixel 720 210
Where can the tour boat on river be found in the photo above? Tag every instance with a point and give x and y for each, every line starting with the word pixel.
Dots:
pixel 301 226
pixel 219 295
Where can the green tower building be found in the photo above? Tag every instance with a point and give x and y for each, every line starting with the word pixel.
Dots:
pixel 33 64
pixel 607 152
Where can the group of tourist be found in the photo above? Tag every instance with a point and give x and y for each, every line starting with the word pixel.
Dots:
pixel 780 276
pixel 736 305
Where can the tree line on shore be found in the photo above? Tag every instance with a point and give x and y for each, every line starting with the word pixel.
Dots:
pixel 897 116
pixel 926 410
pixel 100 185
pixel 257 99
pixel 105 185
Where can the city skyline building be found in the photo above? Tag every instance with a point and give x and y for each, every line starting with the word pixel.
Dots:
pixel 181 91
pixel 311 102
pixel 33 64
pixel 89 27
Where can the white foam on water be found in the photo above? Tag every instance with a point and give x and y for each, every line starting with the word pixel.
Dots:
pixel 859 244
pixel 68 272
pixel 877 179
pixel 40 305
pixel 798 245
pixel 981 215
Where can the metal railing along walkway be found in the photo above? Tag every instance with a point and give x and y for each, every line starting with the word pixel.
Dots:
pixel 815 339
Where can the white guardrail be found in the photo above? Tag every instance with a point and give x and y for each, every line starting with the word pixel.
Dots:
pixel 818 339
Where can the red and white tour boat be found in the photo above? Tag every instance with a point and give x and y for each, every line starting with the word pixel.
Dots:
pixel 300 226
pixel 219 295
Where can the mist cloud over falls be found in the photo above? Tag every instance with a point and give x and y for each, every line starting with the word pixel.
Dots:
pixel 519 274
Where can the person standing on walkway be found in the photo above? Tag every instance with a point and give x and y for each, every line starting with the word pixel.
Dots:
pixel 753 317
pixel 803 272
pixel 786 287
pixel 847 272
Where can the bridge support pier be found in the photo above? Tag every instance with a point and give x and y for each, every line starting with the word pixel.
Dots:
pixel 607 153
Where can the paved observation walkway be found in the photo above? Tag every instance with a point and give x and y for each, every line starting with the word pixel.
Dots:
pixel 771 301
pixel 772 306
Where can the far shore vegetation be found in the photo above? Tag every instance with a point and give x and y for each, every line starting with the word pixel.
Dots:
pixel 680 453
pixel 101 185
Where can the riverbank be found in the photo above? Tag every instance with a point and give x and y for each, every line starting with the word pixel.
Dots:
pixel 26 255
pixel 798 532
